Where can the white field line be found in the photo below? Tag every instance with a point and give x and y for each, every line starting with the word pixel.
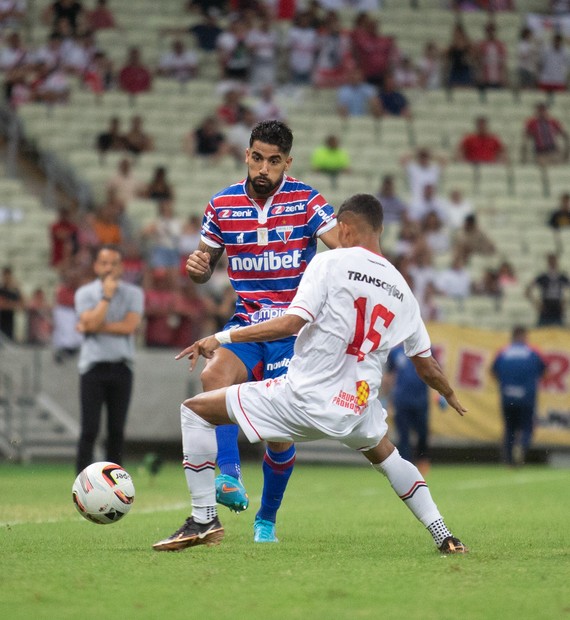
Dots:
pixel 72 517
pixel 136 511
pixel 483 483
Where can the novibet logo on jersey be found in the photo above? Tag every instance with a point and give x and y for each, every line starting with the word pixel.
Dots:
pixel 268 261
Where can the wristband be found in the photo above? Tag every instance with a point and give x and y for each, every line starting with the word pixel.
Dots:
pixel 107 299
pixel 224 337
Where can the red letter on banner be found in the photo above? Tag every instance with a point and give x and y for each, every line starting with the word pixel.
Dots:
pixel 471 370
pixel 557 373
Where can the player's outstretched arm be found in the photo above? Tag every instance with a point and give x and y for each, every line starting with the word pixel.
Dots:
pixel 274 329
pixel 430 371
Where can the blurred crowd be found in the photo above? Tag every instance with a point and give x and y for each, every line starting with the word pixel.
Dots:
pixel 257 57
pixel 177 311
pixel 254 52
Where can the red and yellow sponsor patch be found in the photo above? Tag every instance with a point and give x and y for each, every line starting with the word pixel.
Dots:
pixel 362 393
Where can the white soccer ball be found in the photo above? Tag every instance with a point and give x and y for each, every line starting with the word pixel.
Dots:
pixel 103 492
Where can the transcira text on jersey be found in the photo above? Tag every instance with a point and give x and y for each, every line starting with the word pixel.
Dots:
pixel 391 289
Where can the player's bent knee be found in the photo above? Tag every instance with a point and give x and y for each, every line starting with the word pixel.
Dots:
pixel 226 369
pixel 210 406
pixel 279 446
pixel 211 378
pixel 197 405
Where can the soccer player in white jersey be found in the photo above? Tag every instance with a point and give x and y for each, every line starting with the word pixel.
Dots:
pixel 351 308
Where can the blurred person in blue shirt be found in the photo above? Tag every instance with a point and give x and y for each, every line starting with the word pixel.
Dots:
pixel 409 397
pixel 518 369
pixel 392 101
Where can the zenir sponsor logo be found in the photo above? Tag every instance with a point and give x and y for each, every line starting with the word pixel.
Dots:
pixel 296 208
pixel 225 213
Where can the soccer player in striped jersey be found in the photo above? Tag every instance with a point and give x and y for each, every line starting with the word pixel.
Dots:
pixel 268 224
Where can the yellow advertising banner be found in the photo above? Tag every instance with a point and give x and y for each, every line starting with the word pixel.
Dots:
pixel 466 354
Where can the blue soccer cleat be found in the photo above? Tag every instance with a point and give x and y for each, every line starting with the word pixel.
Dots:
pixel 230 492
pixel 264 531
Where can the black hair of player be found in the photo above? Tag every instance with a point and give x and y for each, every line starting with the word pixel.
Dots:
pixel 366 206
pixel 276 133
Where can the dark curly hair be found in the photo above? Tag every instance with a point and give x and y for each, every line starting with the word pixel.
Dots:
pixel 273 132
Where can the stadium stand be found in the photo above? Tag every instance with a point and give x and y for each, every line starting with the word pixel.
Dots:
pixel 511 201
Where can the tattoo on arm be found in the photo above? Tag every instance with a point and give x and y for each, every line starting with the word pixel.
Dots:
pixel 215 253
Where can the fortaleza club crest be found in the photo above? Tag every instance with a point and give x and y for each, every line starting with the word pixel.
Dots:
pixel 284 232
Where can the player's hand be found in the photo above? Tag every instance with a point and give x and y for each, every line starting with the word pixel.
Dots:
pixel 198 264
pixel 453 402
pixel 205 347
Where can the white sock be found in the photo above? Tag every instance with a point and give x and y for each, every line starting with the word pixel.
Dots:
pixel 200 448
pixel 408 483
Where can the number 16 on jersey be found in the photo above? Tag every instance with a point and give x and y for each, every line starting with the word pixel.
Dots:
pixel 365 343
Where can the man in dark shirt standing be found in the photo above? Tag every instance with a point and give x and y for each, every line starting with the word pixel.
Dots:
pixel 10 301
pixel 551 285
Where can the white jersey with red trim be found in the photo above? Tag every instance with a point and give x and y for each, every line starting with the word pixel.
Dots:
pixel 359 307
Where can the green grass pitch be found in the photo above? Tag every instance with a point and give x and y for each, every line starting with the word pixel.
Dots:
pixel 349 549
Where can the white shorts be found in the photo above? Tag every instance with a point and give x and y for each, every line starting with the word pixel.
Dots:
pixel 269 411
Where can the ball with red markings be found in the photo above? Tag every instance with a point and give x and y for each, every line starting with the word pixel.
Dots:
pixel 103 493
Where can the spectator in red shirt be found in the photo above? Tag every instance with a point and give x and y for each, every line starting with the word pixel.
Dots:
pixel 231 109
pixel 545 133
pixel 375 54
pixel 482 147
pixel 39 318
pixel 101 17
pixel 160 309
pixel 191 308
pixel 64 235
pixel 134 77
pixel 491 58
